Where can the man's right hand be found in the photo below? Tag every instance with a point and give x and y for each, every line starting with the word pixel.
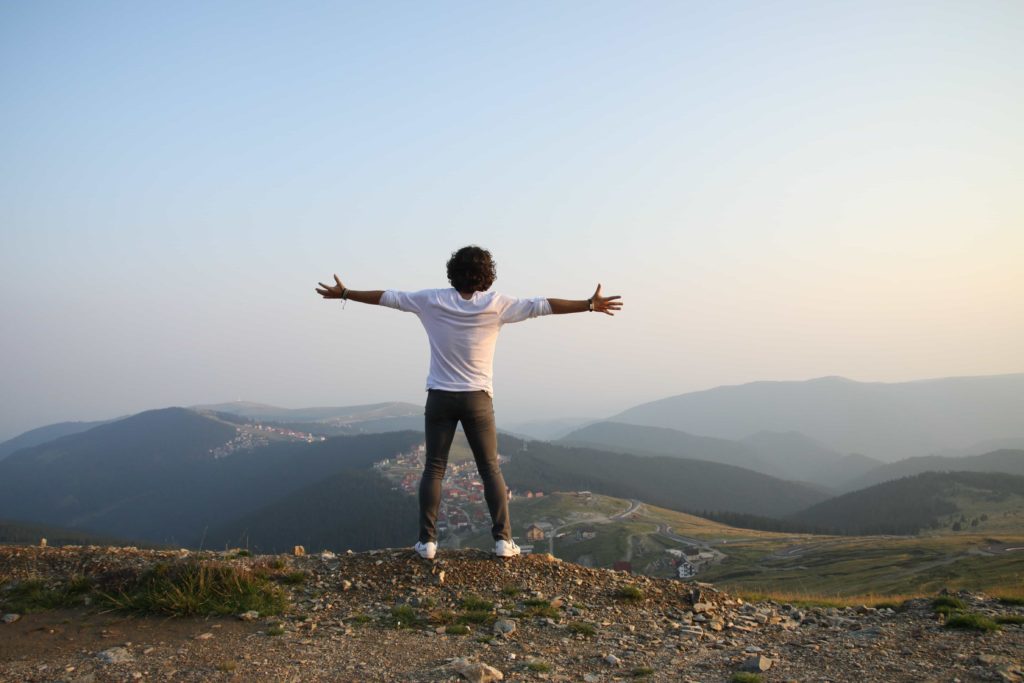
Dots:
pixel 329 292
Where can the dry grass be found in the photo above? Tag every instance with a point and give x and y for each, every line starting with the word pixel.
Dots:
pixel 826 600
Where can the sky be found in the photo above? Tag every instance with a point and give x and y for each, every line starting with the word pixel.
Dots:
pixel 778 190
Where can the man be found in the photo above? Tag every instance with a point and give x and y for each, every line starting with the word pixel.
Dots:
pixel 462 324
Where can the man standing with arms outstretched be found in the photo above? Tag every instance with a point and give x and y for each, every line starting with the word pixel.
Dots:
pixel 462 324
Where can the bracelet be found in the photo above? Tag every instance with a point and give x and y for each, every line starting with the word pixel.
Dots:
pixel 590 304
pixel 344 293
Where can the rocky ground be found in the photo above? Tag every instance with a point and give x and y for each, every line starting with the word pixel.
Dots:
pixel 389 616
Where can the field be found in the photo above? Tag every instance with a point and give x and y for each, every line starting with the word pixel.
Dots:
pixel 791 565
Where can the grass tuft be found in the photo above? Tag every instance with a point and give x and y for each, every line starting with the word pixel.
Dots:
pixel 198 589
pixel 744 677
pixel 971 622
pixel 1010 619
pixel 583 629
pixel 34 595
pixel 456 629
pixel 629 593
pixel 476 617
pixel 642 671
pixel 539 666
pixel 510 590
pixel 474 603
pixel 948 601
pixel 403 616
pixel 294 578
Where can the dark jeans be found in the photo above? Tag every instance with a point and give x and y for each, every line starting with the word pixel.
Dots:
pixel 445 409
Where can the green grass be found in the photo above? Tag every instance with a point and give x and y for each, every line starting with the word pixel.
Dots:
pixel 475 603
pixel 198 589
pixel 630 594
pixel 539 666
pixel 1010 619
pixel 477 616
pixel 457 629
pixel 511 590
pixel 971 622
pixel 1011 600
pixel 275 630
pixel 294 578
pixel 403 616
pixel 948 601
pixel 642 671
pixel 360 618
pixel 743 677
pixel 583 628
pixel 537 607
pixel 35 595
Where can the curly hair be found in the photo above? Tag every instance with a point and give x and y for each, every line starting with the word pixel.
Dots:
pixel 471 269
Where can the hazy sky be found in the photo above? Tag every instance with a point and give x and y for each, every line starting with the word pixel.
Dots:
pixel 779 190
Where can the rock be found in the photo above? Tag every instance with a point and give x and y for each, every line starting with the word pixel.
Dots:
pixel 327 555
pixel 477 672
pixel 612 660
pixel 504 627
pixel 204 636
pixel 10 618
pixel 591 678
pixel 298 551
pixel 251 615
pixel 346 585
pixel 42 542
pixel 115 655
pixel 757 664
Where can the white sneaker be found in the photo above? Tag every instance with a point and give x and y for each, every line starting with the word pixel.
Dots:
pixel 426 550
pixel 505 548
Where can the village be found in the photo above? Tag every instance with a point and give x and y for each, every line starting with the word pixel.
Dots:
pixel 463 514
pixel 251 436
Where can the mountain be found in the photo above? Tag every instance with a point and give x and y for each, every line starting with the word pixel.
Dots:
pixel 34 437
pixel 353 510
pixel 801 458
pixel 337 416
pixel 884 421
pixel 671 482
pixel 13 531
pixel 545 430
pixel 154 476
pixel 640 440
pixel 911 504
pixel 1009 461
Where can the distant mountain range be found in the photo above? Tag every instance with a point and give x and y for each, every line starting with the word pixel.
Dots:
pixel 372 418
pixel 671 482
pixel 152 476
pixel 883 421
pixel 771 455
pixel 1007 460
pixel 915 503
pixel 34 437
pixel 787 455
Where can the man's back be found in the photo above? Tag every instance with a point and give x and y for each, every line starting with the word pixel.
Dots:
pixel 463 331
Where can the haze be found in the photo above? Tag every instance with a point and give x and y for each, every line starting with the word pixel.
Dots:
pixel 778 190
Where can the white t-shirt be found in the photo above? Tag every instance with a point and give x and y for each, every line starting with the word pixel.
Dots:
pixel 463 332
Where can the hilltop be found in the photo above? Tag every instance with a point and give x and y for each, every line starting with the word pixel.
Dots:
pixel 386 615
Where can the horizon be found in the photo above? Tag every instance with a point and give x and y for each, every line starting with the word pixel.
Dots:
pixel 790 191
pixel 511 422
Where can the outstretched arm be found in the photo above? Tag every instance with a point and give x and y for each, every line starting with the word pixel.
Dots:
pixel 339 291
pixel 602 304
